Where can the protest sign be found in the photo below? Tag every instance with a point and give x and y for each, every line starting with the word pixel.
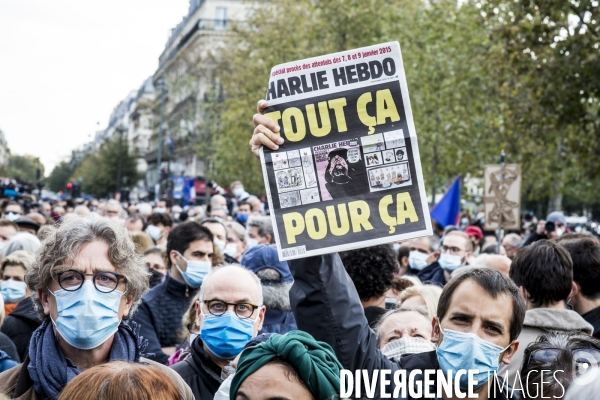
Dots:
pixel 502 196
pixel 349 173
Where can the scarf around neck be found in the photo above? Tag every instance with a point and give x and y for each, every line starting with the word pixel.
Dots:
pixel 50 370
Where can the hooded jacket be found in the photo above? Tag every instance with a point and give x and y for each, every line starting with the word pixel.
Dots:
pixel 326 305
pixel 539 321
pixel 20 324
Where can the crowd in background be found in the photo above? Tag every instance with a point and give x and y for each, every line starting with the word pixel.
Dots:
pixel 103 299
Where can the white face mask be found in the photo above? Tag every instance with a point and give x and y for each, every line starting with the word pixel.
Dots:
pixel 250 243
pixel 417 260
pixel 11 216
pixel 407 345
pixel 231 250
pixel 220 244
pixel 396 247
pixel 160 210
pixel 450 262
pixel 560 231
pixel 154 232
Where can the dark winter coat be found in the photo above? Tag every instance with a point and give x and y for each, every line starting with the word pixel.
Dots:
pixel 278 321
pixel 200 372
pixel 433 274
pixel 20 324
pixel 160 315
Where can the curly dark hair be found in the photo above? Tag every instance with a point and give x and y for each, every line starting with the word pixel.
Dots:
pixel 371 269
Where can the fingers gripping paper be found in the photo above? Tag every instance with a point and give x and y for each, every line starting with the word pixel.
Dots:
pixel 349 173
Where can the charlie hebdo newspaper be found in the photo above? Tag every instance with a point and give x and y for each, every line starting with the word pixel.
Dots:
pixel 349 174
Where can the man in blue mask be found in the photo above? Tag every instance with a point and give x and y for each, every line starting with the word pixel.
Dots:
pixel 230 312
pixel 190 250
pixel 453 254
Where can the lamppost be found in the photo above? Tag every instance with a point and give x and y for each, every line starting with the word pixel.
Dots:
pixel 162 90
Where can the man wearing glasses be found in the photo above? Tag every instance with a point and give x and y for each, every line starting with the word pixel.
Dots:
pixel 87 279
pixel 455 250
pixel 230 311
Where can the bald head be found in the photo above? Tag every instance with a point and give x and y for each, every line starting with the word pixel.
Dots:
pixel 234 281
pixel 218 201
pixel 497 262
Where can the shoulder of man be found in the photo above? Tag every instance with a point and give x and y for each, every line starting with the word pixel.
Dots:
pixel 8 384
pixel 156 292
pixel 184 389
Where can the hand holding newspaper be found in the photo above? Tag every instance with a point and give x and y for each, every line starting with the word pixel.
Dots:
pixel 348 174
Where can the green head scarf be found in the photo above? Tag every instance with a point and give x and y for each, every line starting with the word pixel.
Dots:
pixel 315 362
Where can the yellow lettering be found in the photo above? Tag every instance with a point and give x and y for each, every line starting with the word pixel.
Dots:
pixel 387 219
pixel 363 115
pixel 337 105
pixel 294 225
pixel 313 124
pixel 311 227
pixel 406 208
pixel 359 215
pixel 386 108
pixel 344 225
pixel 290 134
pixel 274 115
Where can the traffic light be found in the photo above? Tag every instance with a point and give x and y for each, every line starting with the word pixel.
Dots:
pixel 76 190
pixel 69 185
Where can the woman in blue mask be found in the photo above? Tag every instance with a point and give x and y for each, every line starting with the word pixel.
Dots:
pixel 86 280
pixel 13 286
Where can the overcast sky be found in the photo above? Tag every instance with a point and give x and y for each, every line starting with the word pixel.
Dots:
pixel 65 64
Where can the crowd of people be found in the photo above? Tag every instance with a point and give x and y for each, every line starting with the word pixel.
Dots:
pixel 104 300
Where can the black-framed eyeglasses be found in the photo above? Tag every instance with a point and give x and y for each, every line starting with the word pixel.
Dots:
pixel 451 250
pixel 219 307
pixel 104 282
pixel 582 356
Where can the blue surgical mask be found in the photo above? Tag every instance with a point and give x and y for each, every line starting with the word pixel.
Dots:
pixel 195 271
pixel 417 260
pixel 242 218
pixel 86 317
pixel 238 192
pixel 227 334
pixel 460 350
pixel 450 262
pixel 13 291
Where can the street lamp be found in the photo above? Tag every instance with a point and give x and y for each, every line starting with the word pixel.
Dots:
pixel 120 129
pixel 162 90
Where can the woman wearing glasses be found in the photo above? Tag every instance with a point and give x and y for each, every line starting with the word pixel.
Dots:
pixel 86 280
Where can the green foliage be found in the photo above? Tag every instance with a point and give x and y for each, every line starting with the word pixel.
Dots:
pixel 24 168
pixel 483 76
pixel 59 177
pixel 98 171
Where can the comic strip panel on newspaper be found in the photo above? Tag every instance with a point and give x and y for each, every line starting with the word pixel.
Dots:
pixel 349 173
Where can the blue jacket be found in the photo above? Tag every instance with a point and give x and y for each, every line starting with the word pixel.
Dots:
pixel 278 321
pixel 6 362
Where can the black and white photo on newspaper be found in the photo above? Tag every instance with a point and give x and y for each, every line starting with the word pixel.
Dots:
pixel 349 173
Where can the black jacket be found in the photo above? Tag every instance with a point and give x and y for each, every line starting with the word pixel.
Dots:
pixel 20 324
pixel 327 306
pixel 593 317
pixel 433 274
pixel 160 314
pixel 7 346
pixel 200 372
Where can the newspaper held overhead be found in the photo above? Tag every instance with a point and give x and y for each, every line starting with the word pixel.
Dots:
pixel 349 173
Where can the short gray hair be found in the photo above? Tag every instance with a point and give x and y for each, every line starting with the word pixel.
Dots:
pixel 22 241
pixel 265 227
pixel 236 266
pixel 63 244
